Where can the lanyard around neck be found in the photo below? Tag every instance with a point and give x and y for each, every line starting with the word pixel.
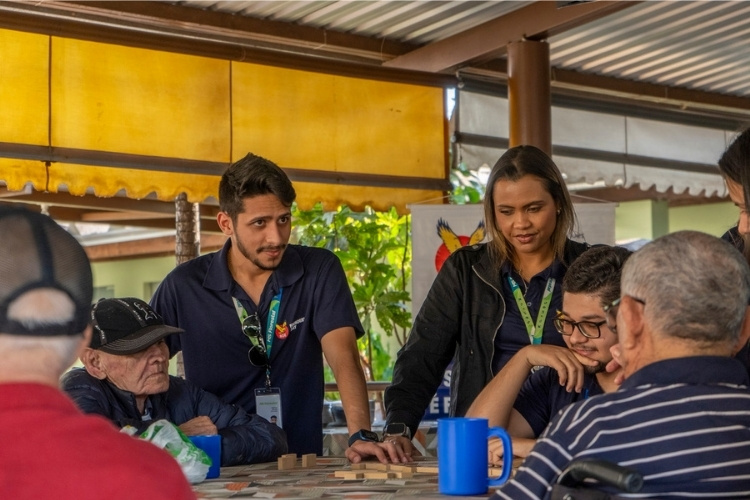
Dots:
pixel 535 331
pixel 273 313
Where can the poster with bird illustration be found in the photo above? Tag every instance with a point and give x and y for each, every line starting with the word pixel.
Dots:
pixel 439 230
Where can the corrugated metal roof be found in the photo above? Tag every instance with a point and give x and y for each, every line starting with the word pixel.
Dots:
pixel 695 45
pixel 418 22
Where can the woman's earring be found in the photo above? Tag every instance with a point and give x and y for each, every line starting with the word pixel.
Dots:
pixel 558 211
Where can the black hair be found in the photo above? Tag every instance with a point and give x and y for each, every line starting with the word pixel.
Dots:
pixel 253 176
pixel 597 271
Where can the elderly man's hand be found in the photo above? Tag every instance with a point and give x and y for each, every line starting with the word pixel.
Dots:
pixel 199 426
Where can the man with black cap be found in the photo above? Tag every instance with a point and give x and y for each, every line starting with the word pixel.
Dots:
pixel 126 380
pixel 48 448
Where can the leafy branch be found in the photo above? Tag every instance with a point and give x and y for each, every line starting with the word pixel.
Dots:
pixel 375 251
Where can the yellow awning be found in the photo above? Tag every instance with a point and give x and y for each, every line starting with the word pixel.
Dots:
pixel 112 119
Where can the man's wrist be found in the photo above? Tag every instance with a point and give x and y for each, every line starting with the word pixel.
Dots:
pixel 364 435
pixel 397 429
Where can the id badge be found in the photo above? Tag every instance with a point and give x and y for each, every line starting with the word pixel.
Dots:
pixel 268 404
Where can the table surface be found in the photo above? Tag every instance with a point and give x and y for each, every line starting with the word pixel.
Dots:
pixel 266 481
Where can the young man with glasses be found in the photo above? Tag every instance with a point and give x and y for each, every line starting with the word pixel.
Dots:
pixel 524 404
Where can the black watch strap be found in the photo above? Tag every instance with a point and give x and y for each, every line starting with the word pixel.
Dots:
pixel 364 435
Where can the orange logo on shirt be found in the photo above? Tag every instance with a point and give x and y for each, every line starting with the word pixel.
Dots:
pixel 282 331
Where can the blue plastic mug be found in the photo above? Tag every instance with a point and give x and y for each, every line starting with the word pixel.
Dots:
pixel 212 446
pixel 462 456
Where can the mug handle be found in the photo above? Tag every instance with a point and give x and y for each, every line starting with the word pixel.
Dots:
pixel 501 433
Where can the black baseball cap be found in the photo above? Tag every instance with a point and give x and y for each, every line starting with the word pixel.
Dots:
pixel 36 252
pixel 126 326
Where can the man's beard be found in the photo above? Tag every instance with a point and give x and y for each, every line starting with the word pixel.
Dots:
pixel 254 258
pixel 593 370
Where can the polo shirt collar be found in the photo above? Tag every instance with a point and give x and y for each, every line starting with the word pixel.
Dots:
pixel 555 270
pixel 289 271
pixel 690 370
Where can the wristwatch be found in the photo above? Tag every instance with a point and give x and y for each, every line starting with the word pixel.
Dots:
pixel 397 429
pixel 364 435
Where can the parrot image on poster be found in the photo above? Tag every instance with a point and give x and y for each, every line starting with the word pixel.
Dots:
pixel 452 241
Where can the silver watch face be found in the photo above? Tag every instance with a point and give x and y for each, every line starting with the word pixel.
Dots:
pixel 396 430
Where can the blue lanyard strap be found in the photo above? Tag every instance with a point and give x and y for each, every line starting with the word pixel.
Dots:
pixel 273 313
pixel 535 331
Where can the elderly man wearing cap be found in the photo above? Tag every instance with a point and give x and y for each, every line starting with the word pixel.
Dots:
pixel 125 379
pixel 48 448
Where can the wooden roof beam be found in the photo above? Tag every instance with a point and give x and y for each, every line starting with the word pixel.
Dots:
pixel 151 247
pixel 600 88
pixel 165 16
pixel 537 21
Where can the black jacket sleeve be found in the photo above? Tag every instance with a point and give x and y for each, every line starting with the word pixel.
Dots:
pixel 245 438
pixel 421 362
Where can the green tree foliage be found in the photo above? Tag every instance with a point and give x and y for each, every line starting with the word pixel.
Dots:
pixel 467 186
pixel 375 251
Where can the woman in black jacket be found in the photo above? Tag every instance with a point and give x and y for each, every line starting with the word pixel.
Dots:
pixel 490 299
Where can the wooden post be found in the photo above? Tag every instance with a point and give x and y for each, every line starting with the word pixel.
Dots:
pixel 187 242
pixel 529 97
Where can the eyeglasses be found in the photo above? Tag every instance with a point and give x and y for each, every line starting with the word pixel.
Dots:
pixel 589 329
pixel 257 353
pixel 610 311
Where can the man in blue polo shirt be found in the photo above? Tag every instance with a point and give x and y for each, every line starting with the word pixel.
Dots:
pixel 260 314
pixel 682 416
pixel 524 404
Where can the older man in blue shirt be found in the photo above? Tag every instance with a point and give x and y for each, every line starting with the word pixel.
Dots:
pixel 682 416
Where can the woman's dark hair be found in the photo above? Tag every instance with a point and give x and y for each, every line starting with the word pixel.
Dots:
pixel 514 164
pixel 253 176
pixel 734 165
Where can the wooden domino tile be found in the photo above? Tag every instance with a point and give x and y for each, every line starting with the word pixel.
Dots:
pixel 348 474
pixel 401 468
pixel 309 460
pixel 403 475
pixel 375 474
pixel 287 462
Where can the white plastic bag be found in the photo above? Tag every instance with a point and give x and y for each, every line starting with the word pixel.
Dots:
pixel 194 461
